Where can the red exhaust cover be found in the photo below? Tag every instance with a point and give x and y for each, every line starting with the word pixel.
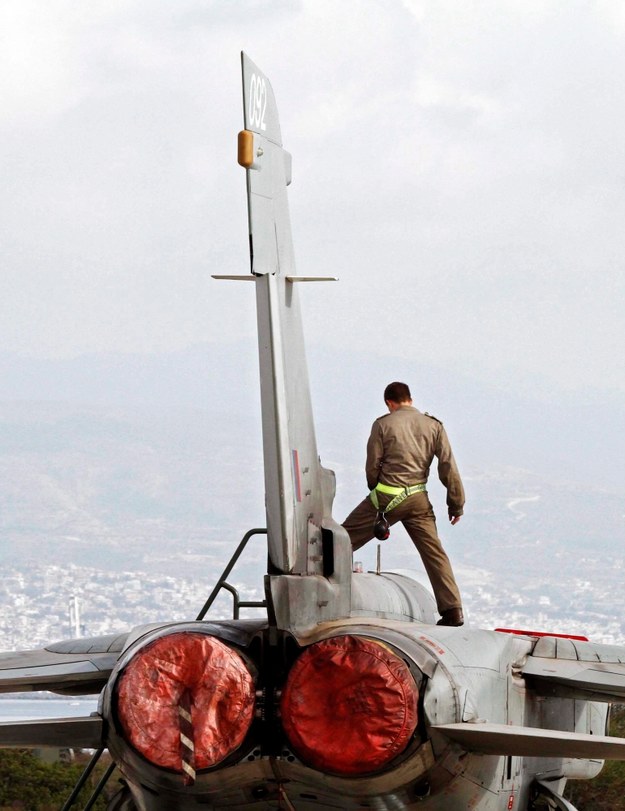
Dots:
pixel 349 705
pixel 221 691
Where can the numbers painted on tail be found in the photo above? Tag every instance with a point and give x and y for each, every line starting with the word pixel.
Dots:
pixel 257 106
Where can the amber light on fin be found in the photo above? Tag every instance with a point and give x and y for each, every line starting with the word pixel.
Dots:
pixel 245 152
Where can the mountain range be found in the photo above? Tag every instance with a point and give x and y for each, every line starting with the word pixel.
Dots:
pixel 129 462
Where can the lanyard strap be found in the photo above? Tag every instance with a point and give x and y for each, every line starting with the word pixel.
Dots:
pixel 400 493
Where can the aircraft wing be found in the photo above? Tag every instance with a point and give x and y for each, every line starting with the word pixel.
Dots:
pixel 77 733
pixel 557 667
pixel 73 667
pixel 575 669
pixel 504 739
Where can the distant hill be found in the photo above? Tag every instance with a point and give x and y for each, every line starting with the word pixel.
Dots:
pixel 109 486
pixel 560 435
pixel 79 480
pixel 135 463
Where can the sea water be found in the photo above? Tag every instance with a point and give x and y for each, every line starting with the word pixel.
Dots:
pixel 38 709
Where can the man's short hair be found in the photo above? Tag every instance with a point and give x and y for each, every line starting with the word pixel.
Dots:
pixel 397 393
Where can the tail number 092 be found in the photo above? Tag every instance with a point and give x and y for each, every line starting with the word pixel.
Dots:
pixel 258 102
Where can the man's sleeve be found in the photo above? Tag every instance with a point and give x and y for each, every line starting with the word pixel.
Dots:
pixel 449 475
pixel 375 452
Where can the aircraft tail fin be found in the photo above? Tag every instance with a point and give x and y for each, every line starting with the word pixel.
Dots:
pixel 268 168
pixel 302 537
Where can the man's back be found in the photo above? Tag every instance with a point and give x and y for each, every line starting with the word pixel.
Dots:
pixel 401 447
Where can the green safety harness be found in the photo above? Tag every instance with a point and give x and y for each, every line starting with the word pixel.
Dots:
pixel 400 493
pixel 381 528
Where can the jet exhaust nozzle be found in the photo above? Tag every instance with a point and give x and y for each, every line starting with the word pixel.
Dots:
pixel 349 706
pixel 185 701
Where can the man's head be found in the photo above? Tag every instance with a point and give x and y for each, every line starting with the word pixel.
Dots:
pixel 397 394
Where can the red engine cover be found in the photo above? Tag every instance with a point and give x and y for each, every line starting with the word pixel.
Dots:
pixel 219 687
pixel 349 705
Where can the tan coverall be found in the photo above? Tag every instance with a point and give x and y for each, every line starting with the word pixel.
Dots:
pixel 400 451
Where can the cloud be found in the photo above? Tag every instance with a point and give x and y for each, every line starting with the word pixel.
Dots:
pixel 459 166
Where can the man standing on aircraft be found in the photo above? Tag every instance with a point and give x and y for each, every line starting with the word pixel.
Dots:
pixel 400 451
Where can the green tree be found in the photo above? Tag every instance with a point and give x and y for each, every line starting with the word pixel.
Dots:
pixel 29 784
pixel 607 790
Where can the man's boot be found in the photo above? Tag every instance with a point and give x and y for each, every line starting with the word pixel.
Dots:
pixel 453 616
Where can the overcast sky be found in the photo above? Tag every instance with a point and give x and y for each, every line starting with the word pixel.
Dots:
pixel 459 165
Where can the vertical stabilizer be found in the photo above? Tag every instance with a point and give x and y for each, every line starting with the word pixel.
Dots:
pixel 302 537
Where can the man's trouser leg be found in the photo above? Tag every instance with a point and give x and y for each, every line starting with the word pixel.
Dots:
pixel 417 516
pixel 359 524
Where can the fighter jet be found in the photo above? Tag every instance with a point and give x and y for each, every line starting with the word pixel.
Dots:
pixel 347 694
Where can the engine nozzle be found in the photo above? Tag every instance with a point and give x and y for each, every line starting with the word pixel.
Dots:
pixel 349 706
pixel 185 701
